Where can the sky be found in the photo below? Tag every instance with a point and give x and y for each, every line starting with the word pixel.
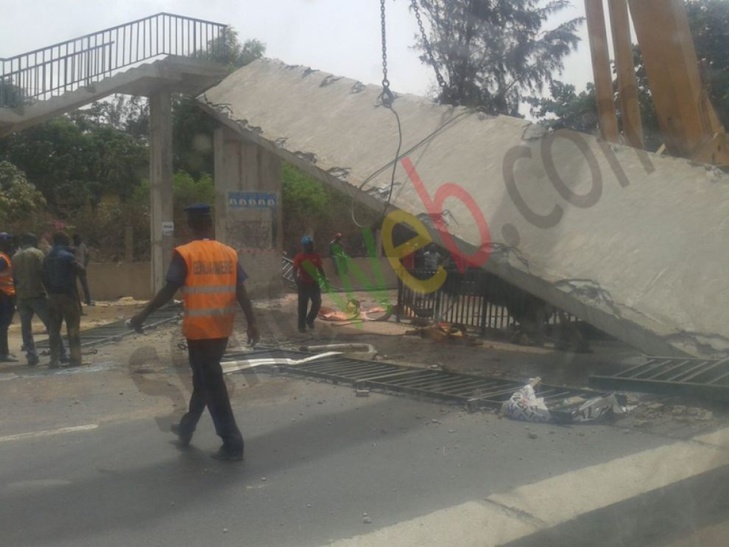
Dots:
pixel 342 37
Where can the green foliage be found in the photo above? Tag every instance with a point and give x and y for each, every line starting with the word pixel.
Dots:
pixel 187 190
pixel 493 52
pixel 74 160
pixel 19 199
pixel 104 225
pixel 305 202
pixel 104 229
pixel 193 128
pixel 312 208
pixel 11 96
pixel 708 20
pixel 227 50
pixel 566 109
pixel 192 137
pixel 124 113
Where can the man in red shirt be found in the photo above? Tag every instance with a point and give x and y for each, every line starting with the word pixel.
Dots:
pixel 309 273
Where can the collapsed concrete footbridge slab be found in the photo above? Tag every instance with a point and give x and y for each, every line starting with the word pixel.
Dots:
pixel 630 242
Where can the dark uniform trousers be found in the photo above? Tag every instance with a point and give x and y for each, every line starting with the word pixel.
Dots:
pixel 209 390
pixel 308 291
pixel 7 310
pixel 63 307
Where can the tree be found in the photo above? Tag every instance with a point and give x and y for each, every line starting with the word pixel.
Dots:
pixel 708 20
pixel 227 50
pixel 19 199
pixel 11 96
pixel 566 109
pixel 193 128
pixel 126 113
pixel 73 160
pixel 305 201
pixel 492 52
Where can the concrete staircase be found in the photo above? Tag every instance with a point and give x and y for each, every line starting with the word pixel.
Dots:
pixel 163 51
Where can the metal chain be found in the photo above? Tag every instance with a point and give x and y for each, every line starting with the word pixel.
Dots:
pixel 428 48
pixel 387 96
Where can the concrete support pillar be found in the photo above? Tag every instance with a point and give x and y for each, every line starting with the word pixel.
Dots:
pixel 160 182
pixel 248 208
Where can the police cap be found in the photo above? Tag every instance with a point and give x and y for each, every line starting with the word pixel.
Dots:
pixel 198 209
pixel 28 238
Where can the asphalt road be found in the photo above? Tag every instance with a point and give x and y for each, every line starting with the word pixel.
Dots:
pixel 85 460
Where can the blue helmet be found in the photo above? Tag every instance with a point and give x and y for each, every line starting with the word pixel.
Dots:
pixel 4 236
pixel 306 240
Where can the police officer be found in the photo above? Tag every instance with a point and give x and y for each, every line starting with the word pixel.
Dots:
pixel 7 296
pixel 212 281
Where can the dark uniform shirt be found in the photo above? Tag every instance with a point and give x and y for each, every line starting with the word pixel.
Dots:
pixel 60 268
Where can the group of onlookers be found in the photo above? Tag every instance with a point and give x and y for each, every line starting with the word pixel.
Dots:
pixel 36 283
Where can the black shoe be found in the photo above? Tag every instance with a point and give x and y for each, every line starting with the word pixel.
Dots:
pixel 7 358
pixel 226 455
pixel 302 330
pixel 64 359
pixel 183 440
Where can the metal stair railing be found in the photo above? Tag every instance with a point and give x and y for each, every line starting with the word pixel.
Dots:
pixel 44 73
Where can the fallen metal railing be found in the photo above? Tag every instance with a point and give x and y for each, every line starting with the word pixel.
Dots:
pixel 473 392
pixel 110 333
pixel 706 378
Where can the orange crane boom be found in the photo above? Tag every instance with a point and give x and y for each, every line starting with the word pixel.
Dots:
pixel 689 124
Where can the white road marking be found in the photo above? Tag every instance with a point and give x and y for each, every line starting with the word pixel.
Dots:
pixel 60 431
pixel 35 485
pixel 531 508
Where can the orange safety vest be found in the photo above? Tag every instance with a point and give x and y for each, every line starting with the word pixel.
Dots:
pixel 209 292
pixel 6 277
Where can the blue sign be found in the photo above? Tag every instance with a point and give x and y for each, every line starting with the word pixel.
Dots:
pixel 251 200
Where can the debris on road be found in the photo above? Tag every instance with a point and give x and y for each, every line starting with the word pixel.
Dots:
pixel 355 351
pixel 447 332
pixel 355 312
pixel 525 405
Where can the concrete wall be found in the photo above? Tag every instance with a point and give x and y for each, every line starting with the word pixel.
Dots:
pixel 111 281
pixel 248 209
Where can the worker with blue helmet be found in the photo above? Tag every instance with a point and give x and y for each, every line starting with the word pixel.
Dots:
pixel 309 271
